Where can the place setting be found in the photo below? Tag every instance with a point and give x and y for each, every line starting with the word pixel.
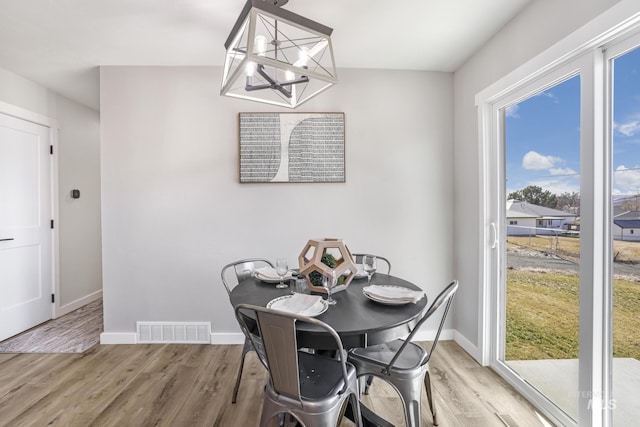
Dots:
pixel 385 294
pixel 301 301
pixel 279 274
pixel 392 294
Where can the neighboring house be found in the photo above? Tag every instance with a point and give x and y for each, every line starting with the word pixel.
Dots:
pixel 627 226
pixel 526 219
pixel 573 228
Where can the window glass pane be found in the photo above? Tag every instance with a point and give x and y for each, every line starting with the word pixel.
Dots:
pixel 542 156
pixel 626 238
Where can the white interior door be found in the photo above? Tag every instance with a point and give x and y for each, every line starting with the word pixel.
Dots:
pixel 25 225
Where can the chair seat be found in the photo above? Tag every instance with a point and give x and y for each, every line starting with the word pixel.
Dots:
pixel 412 357
pixel 321 376
pixel 312 388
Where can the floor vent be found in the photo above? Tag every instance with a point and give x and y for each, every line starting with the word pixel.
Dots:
pixel 174 332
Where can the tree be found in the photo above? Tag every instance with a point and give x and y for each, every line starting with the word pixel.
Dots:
pixel 536 196
pixel 631 203
pixel 569 202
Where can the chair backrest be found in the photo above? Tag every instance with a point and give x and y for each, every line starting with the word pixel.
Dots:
pixel 274 338
pixel 357 258
pixel 243 269
pixel 444 298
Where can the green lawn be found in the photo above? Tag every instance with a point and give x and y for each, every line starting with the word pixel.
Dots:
pixel 542 316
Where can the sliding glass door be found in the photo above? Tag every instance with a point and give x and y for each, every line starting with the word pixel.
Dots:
pixel 540 333
pixel 562 175
pixel 624 63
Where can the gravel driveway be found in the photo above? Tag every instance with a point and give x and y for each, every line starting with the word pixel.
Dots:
pixel 526 258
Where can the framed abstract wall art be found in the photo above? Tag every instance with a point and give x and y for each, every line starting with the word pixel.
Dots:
pixel 291 147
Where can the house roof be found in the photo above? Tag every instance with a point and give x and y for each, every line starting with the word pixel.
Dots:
pixel 627 223
pixel 629 215
pixel 516 214
pixel 518 207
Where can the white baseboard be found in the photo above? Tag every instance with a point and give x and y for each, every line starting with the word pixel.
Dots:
pixel 445 335
pixel 468 346
pixel 74 305
pixel 118 338
pixel 238 338
pixel 227 338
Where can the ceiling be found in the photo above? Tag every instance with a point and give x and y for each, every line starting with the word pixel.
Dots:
pixel 61 43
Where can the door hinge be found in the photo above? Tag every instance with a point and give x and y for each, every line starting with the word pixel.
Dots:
pixel 51 149
pixel 53 298
pixel 51 224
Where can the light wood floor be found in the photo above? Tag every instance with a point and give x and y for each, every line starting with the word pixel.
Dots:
pixel 74 332
pixel 190 385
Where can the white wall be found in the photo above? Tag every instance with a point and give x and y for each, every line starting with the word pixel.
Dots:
pixel 80 230
pixel 537 28
pixel 78 167
pixel 174 213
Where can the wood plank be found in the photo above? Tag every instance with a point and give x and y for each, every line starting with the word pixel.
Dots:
pixel 191 385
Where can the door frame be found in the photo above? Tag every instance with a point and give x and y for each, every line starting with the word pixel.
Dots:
pixel 615 24
pixel 52 125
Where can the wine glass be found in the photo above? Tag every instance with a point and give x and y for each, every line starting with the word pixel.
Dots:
pixel 281 269
pixel 329 281
pixel 369 265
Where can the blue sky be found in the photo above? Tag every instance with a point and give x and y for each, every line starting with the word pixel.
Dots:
pixel 543 135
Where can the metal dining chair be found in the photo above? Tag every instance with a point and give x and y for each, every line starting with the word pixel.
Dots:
pixel 357 258
pixel 231 275
pixel 313 388
pixel 405 365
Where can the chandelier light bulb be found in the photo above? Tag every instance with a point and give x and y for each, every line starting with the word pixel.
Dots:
pixel 260 43
pixel 250 69
pixel 303 56
pixel 289 75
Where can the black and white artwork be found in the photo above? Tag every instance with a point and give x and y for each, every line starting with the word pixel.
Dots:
pixel 291 147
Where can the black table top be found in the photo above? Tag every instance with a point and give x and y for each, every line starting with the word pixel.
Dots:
pixel 359 321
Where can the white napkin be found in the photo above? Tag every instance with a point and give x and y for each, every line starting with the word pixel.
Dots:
pixel 270 273
pixel 393 293
pixel 304 304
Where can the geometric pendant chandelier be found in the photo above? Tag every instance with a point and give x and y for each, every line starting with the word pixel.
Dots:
pixel 277 57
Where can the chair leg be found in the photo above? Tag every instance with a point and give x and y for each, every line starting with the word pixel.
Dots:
pixel 355 408
pixel 427 386
pixel 410 392
pixel 368 384
pixel 245 349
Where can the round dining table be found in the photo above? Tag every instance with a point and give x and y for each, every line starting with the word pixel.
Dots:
pixel 359 321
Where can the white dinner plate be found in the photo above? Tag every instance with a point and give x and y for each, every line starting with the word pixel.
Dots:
pixel 280 303
pixel 385 300
pixel 270 278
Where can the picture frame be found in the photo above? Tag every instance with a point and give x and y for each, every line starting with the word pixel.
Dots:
pixel 291 147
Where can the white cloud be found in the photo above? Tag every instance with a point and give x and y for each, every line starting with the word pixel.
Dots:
pixel 627 179
pixel 536 161
pixel 551 96
pixel 562 171
pixel 629 128
pixel 512 111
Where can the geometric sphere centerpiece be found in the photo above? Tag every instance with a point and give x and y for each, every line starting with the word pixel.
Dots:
pixel 312 266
